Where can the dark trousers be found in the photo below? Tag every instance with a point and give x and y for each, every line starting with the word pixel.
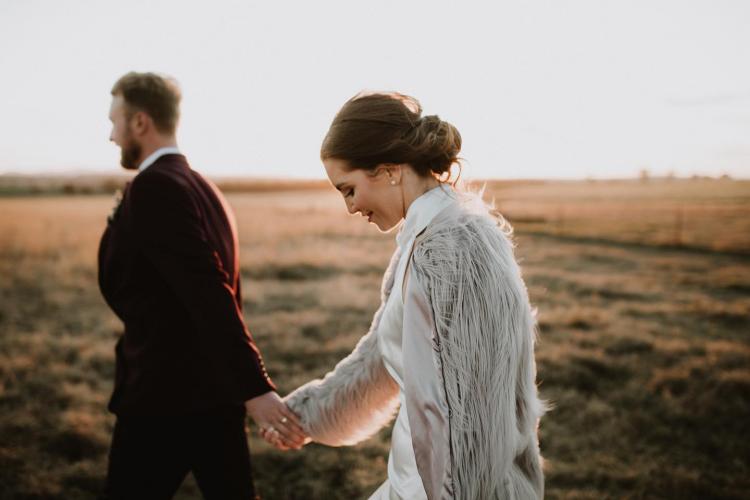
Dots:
pixel 151 456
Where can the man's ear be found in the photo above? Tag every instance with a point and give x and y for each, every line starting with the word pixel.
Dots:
pixel 141 123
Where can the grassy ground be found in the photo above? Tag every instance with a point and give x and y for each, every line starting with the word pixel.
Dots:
pixel 644 348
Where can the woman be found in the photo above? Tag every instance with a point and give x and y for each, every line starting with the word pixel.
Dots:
pixel 453 340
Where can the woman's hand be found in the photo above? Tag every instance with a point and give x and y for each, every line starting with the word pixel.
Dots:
pixel 278 424
pixel 272 436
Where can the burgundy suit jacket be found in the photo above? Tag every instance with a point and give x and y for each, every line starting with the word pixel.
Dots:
pixel 169 269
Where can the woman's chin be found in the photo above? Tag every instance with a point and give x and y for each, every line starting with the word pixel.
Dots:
pixel 384 227
pixel 377 222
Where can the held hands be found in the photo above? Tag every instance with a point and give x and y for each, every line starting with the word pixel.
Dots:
pixel 278 424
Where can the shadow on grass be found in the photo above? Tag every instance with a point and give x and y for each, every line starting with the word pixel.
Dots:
pixel 304 272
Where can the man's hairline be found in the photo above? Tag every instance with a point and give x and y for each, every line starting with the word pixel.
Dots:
pixel 130 110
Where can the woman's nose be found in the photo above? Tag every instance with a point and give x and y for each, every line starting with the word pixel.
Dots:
pixel 351 207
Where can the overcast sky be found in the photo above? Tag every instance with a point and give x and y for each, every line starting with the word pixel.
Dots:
pixel 559 89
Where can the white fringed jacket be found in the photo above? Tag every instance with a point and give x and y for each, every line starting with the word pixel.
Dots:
pixel 468 374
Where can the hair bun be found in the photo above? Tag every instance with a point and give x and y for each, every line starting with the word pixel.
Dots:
pixel 436 144
pixel 387 127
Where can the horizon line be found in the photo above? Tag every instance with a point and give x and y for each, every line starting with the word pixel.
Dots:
pixel 261 178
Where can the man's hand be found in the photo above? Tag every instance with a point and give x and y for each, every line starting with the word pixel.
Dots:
pixel 278 424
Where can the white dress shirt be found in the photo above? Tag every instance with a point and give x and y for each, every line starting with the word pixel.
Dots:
pixel 150 159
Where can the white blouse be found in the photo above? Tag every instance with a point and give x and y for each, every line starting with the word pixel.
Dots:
pixel 404 481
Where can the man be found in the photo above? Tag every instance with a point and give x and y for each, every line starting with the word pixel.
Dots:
pixel 187 369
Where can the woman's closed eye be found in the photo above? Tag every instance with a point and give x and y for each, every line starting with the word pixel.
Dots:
pixel 349 193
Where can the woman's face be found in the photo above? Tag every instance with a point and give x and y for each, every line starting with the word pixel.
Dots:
pixel 376 195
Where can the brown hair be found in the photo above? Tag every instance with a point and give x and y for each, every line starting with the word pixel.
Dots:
pixel 157 96
pixel 371 129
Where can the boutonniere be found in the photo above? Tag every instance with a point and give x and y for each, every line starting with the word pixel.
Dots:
pixel 115 206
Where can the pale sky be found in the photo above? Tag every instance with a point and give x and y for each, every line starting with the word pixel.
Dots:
pixel 553 89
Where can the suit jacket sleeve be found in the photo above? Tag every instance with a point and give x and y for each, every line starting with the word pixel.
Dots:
pixel 167 227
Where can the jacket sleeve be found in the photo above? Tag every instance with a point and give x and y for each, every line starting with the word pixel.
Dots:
pixel 469 383
pixel 167 225
pixel 351 402
pixel 359 396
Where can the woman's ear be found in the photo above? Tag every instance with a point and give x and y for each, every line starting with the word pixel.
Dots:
pixel 393 173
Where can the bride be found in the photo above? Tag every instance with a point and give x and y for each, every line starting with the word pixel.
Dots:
pixel 452 344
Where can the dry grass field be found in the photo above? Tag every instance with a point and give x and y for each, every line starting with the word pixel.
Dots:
pixel 643 291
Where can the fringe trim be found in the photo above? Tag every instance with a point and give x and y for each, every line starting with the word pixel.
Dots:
pixel 487 329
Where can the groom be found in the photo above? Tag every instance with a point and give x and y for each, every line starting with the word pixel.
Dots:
pixel 187 369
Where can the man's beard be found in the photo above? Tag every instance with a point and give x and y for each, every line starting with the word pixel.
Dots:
pixel 130 153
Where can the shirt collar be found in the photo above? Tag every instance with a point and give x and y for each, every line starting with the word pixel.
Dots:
pixel 422 211
pixel 150 159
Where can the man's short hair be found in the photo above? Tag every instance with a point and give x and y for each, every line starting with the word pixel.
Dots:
pixel 156 95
